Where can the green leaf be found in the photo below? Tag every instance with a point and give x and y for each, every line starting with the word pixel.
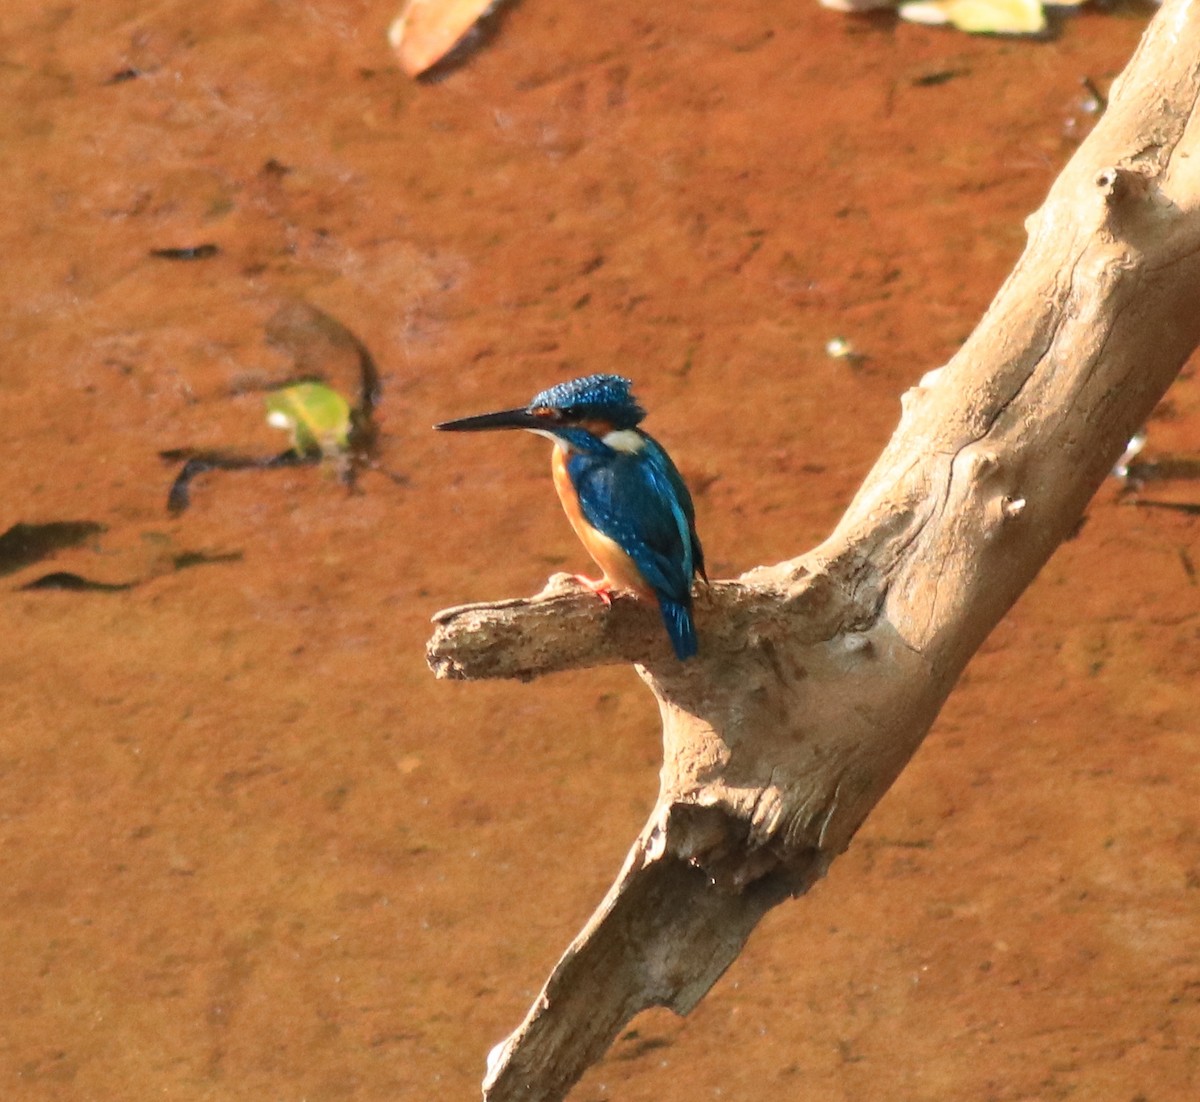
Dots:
pixel 316 415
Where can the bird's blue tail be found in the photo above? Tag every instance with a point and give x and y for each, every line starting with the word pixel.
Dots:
pixel 680 627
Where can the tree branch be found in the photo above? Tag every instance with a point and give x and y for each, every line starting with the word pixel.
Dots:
pixel 818 678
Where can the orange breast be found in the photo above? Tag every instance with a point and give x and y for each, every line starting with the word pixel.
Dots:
pixel 620 571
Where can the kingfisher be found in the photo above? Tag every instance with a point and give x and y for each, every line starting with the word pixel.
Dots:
pixel 625 499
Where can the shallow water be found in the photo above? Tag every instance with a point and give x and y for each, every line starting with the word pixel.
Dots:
pixel 251 849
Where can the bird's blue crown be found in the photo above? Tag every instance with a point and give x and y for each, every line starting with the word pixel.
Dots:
pixel 594 397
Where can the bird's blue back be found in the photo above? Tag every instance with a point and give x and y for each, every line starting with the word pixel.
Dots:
pixel 638 499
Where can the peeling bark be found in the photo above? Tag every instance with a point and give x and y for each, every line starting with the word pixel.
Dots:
pixel 818 677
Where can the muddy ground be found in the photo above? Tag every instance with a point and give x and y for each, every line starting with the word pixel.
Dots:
pixel 251 850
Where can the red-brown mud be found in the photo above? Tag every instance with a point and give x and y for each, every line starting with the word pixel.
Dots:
pixel 251 849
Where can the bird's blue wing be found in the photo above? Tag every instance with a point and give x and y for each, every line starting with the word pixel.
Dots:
pixel 660 457
pixel 632 499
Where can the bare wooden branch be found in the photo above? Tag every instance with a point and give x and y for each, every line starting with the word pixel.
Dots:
pixel 818 678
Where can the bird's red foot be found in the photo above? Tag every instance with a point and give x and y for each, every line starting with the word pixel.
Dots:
pixel 602 587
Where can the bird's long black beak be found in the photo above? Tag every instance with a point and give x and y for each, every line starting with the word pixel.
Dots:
pixel 502 419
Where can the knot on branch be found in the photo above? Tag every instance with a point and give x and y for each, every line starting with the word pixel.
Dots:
pixel 1136 212
pixel 723 845
pixel 1121 185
